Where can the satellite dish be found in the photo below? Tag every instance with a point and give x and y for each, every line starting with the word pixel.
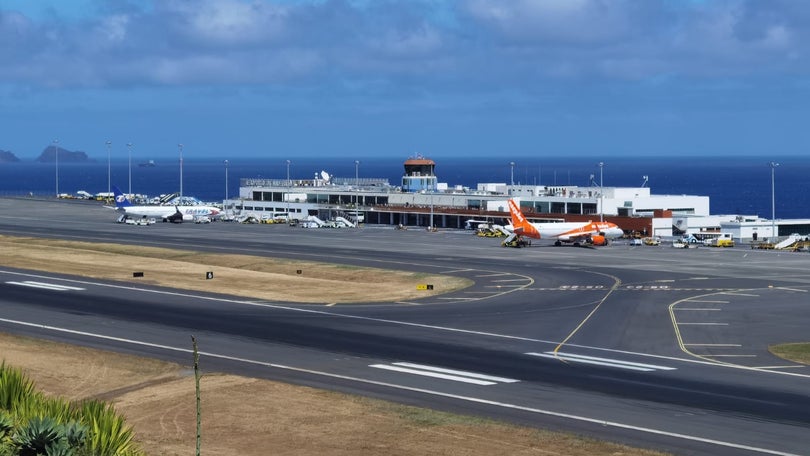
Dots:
pixel 325 176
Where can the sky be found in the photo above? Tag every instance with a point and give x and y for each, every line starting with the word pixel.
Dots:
pixel 359 78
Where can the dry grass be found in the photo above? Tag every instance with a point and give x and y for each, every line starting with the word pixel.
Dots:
pixel 239 275
pixel 796 352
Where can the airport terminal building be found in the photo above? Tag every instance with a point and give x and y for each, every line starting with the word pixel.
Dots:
pixel 420 200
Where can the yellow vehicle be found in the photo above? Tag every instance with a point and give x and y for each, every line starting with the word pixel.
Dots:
pixel 651 241
pixel 724 243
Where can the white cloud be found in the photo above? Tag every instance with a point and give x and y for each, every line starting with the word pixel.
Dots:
pixel 227 22
pixel 416 43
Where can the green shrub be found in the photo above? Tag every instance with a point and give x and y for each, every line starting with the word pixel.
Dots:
pixel 109 435
pixel 40 433
pixel 33 424
pixel 15 388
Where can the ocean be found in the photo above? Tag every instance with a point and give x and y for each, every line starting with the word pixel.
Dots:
pixel 736 185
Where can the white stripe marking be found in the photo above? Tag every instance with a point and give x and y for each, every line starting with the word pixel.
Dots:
pixel 458 372
pixel 704 324
pixel 432 374
pixel 602 361
pixel 45 286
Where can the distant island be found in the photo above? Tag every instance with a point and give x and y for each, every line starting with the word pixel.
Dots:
pixel 7 157
pixel 66 156
pixel 148 164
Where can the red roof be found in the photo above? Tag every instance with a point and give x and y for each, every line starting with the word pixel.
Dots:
pixel 419 161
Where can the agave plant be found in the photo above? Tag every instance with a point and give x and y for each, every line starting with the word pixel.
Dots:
pixel 75 433
pixel 40 433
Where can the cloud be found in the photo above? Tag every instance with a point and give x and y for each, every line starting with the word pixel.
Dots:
pixel 460 45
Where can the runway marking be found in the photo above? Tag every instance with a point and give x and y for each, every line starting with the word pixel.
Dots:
pixel 697 308
pixel 794 366
pixel 581 287
pixel 504 286
pixel 458 298
pixel 498 274
pixel 704 324
pixel 791 289
pixel 443 373
pixel 740 294
pixel 451 271
pixel 601 361
pixel 509 280
pixel 46 286
pixel 730 356
pixel 475 400
pixel 706 301
pixel 712 345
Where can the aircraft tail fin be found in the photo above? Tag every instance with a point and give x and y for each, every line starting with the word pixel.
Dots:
pixel 521 225
pixel 121 200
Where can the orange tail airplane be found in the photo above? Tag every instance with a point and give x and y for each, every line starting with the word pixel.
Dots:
pixel 572 232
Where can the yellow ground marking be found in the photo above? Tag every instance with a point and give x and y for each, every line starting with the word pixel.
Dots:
pixel 617 282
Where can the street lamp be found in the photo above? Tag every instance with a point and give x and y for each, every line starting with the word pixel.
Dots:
pixel 180 147
pixel 773 166
pixel 289 184
pixel 512 173
pixel 129 157
pixel 357 191
pixel 226 180
pixel 109 143
pixel 601 194
pixel 56 157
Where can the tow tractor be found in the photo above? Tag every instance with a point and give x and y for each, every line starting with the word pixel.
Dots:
pixel 513 240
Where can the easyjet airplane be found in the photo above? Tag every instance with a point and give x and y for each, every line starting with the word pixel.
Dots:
pixel 572 232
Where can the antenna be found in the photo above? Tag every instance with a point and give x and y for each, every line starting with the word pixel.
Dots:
pixel 646 178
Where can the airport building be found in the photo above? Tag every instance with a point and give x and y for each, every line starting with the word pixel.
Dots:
pixel 420 200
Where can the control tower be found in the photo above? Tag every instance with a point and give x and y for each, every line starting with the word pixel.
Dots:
pixel 419 175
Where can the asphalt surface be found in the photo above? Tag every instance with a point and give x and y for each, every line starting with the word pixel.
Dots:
pixel 652 346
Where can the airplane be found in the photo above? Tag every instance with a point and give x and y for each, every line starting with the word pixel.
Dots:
pixel 576 233
pixel 175 214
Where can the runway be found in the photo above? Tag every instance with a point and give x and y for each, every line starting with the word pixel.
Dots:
pixel 651 346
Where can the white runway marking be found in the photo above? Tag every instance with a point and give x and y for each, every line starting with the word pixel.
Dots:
pixel 601 361
pixel 443 373
pixel 46 286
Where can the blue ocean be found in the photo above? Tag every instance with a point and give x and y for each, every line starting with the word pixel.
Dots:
pixel 736 185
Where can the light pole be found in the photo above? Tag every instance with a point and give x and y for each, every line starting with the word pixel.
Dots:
pixel 601 194
pixel 129 158
pixel 109 143
pixel 180 147
pixel 512 173
pixel 226 180
pixel 773 166
pixel 56 157
pixel 287 197
pixel 357 191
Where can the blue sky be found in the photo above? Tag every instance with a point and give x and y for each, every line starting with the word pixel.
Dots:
pixel 286 78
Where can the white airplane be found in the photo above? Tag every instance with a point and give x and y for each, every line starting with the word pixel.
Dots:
pixel 577 233
pixel 176 214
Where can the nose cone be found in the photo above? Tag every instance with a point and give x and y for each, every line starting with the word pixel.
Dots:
pixel 614 232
